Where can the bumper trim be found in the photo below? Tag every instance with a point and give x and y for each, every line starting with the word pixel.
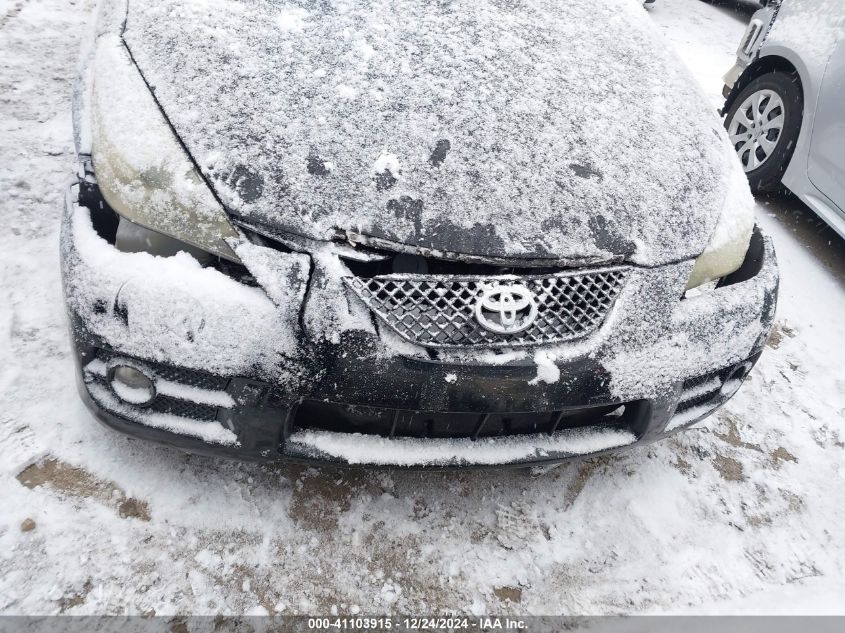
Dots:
pixel 322 416
pixel 262 428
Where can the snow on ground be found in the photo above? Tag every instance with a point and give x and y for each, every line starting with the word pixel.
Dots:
pixel 743 515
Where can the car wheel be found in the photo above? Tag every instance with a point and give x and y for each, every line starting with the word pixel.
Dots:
pixel 763 124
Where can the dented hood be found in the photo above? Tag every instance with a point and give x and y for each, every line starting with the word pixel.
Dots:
pixel 527 129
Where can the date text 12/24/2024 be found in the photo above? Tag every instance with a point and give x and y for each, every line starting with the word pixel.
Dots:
pixel 364 623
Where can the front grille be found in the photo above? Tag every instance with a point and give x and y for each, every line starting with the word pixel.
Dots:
pixel 192 378
pixel 387 422
pixel 189 377
pixel 440 311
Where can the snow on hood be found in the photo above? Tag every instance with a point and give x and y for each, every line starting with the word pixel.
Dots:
pixel 531 128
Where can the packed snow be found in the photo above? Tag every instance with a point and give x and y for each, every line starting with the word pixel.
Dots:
pixel 743 515
pixel 547 370
pixel 203 325
pixel 374 450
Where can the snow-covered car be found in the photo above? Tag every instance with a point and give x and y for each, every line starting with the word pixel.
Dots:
pixel 411 234
pixel 751 3
pixel 784 103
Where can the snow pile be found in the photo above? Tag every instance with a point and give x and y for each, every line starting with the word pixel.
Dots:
pixel 160 308
pixel 547 370
pixel 354 448
pixel 292 20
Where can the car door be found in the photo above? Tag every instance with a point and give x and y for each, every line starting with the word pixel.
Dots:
pixel 826 165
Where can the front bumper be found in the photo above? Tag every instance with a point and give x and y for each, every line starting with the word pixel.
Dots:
pixel 299 370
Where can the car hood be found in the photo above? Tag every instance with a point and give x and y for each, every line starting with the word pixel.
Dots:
pixel 527 129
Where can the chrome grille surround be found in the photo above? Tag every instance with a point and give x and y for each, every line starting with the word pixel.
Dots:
pixel 439 310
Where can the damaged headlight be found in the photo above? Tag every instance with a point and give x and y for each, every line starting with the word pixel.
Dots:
pixel 143 171
pixel 729 243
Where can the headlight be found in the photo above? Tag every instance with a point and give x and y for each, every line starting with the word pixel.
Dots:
pixel 729 243
pixel 143 171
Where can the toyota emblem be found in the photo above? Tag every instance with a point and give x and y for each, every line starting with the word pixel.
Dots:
pixel 506 308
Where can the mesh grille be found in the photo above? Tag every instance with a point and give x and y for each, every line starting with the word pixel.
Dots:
pixel 184 408
pixel 181 375
pixel 192 378
pixel 386 422
pixel 701 390
pixel 697 401
pixel 439 311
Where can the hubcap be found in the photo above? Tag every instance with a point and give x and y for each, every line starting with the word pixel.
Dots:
pixel 756 128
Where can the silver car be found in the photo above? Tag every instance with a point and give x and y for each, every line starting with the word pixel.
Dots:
pixel 785 108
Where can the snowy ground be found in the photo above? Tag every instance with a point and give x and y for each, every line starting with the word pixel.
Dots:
pixel 744 515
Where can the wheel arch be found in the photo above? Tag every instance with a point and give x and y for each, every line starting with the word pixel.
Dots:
pixel 762 66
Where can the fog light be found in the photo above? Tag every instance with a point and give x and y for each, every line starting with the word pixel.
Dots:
pixel 132 385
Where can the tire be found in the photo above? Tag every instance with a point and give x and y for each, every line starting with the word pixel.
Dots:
pixel 766 140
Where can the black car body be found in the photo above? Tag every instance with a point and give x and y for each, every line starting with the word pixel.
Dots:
pixel 404 235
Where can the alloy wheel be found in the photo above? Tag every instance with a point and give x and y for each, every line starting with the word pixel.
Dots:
pixel 756 128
